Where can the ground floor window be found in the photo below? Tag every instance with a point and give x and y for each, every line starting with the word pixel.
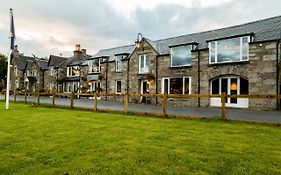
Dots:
pixel 71 87
pixel 231 85
pixel 118 85
pixel 94 86
pixel 180 85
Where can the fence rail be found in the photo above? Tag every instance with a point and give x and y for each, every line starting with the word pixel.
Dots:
pixel 126 97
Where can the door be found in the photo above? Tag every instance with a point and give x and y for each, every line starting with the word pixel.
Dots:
pixel 144 90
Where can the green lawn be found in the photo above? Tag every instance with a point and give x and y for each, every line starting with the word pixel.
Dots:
pixel 38 140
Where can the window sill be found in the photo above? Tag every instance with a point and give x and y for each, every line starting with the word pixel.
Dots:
pixel 180 67
pixel 229 63
pixel 93 73
pixel 143 73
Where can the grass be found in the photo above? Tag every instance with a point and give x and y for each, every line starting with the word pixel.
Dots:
pixel 38 140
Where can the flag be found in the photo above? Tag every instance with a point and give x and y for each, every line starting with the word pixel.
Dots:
pixel 12 30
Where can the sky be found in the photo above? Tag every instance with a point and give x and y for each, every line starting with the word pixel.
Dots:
pixel 55 26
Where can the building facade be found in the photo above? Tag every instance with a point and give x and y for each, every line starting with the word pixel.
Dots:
pixel 242 59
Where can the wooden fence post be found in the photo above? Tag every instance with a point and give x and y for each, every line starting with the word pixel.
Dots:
pixel 95 102
pixel 15 96
pixel 25 97
pixel 126 103
pixel 223 95
pixel 38 98
pixel 53 99
pixel 164 105
pixel 72 99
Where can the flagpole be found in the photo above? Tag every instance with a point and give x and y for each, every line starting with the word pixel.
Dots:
pixel 8 83
pixel 12 30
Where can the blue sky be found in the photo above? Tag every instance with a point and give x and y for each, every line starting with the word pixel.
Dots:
pixel 55 26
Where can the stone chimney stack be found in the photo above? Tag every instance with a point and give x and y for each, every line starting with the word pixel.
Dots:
pixel 77 52
pixel 83 52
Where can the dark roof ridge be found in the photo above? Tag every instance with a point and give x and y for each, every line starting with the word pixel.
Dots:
pixel 239 25
pixel 117 47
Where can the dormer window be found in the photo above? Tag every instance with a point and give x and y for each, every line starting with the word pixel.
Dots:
pixel 181 56
pixel 94 66
pixel 229 50
pixel 118 63
pixel 73 71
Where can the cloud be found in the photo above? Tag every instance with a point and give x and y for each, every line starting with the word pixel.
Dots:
pixel 54 27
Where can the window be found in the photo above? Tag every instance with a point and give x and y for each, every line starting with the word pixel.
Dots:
pixel 176 85
pixel 229 50
pixel 118 87
pixel 181 56
pixel 73 71
pixel 52 71
pixel 143 64
pixel 231 86
pixel 118 63
pixel 94 66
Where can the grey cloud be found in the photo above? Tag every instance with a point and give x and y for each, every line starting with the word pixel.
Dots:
pixel 99 26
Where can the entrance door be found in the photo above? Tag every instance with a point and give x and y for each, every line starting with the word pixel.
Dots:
pixel 230 86
pixel 144 90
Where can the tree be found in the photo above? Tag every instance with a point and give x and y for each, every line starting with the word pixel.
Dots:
pixel 3 69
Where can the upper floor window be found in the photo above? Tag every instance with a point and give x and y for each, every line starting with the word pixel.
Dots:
pixel 73 71
pixel 143 64
pixel 118 63
pixel 181 56
pixel 94 66
pixel 176 85
pixel 52 71
pixel 229 50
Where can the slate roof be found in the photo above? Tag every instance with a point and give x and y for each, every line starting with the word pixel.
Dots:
pixel 56 61
pixel 43 64
pixel 21 61
pixel 113 51
pixel 72 61
pixel 262 30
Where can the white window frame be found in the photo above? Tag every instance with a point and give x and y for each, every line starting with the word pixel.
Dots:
pixel 216 51
pixel 183 88
pixel 171 50
pixel 116 82
pixel 91 66
pixel 52 71
pixel 145 70
pixel 118 69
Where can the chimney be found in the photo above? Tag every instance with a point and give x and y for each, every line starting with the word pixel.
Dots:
pixel 77 47
pixel 83 52
pixel 77 52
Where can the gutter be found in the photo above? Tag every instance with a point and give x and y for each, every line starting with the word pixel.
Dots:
pixel 199 85
pixel 156 77
pixel 106 78
pixel 128 69
pixel 277 75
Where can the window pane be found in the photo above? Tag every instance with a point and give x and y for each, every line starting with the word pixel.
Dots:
pixel 213 51
pixel 143 61
pixel 176 86
pixel 186 86
pixel 118 63
pixel 244 86
pixel 233 89
pixel 224 85
pixel 181 56
pixel 215 86
pixel 118 86
pixel 228 50
pixel 166 86
pixel 245 48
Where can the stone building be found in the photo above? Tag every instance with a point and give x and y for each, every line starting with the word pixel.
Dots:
pixel 242 59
